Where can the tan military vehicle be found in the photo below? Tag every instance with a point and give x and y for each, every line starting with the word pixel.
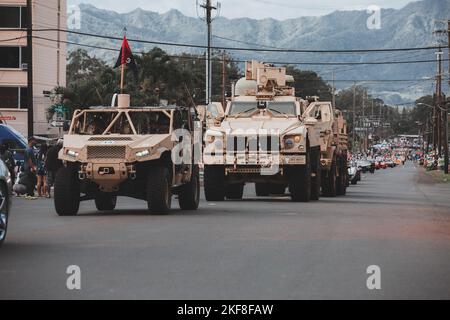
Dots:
pixel 128 151
pixel 263 138
pixel 331 132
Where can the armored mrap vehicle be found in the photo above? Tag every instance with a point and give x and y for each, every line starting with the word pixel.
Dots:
pixel 262 138
pixel 128 151
pixel 330 133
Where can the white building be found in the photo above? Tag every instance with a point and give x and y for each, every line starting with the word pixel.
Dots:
pixel 48 64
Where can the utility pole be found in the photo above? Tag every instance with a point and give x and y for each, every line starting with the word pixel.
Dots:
pixel 354 118
pixel 30 104
pixel 446 107
pixel 223 81
pixel 364 121
pixel 333 89
pixel 439 101
pixel 208 7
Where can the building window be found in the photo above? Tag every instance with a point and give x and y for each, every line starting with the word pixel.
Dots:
pixel 13 57
pixel 23 98
pixel 13 17
pixel 13 98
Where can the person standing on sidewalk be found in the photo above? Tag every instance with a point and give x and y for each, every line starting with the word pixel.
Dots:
pixel 30 168
pixel 52 165
pixel 41 181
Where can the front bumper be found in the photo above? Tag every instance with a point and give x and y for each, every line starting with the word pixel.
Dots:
pixel 108 176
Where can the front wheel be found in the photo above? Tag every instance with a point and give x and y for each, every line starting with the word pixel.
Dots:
pixel 159 193
pixel 316 170
pixel 67 192
pixel 214 183
pixel 300 182
pixel 105 201
pixel 329 181
pixel 4 212
pixel 189 194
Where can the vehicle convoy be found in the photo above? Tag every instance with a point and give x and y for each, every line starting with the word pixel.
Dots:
pixel 332 140
pixel 127 151
pixel 262 138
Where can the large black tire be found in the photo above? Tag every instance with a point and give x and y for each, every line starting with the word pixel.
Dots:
pixel 214 183
pixel 67 192
pixel 316 181
pixel 300 181
pixel 189 193
pixel 277 189
pixel 341 183
pixel 4 212
pixel 329 181
pixel 234 191
pixel 262 189
pixel 159 190
pixel 105 201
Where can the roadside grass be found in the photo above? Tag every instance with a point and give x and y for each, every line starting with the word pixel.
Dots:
pixel 439 176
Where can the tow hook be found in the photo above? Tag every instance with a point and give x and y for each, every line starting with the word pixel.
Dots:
pixel 81 175
pixel 133 175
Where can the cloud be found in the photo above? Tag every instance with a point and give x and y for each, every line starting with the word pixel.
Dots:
pixel 257 9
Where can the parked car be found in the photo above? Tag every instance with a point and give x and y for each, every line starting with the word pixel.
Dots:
pixel 16 142
pixel 354 173
pixel 390 163
pixel 365 165
pixel 5 200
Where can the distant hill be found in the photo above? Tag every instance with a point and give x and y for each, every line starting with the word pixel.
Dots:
pixel 411 26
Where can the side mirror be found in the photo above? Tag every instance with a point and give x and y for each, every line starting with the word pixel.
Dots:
pixel 310 121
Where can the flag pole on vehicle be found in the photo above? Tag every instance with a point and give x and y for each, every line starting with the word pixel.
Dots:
pixel 125 58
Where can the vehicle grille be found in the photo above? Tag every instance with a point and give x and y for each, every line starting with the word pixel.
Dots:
pixel 106 152
pixel 110 139
pixel 254 143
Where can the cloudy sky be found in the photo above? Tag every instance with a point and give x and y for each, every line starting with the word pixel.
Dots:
pixel 278 9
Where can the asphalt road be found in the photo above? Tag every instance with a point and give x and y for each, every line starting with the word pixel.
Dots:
pixel 267 248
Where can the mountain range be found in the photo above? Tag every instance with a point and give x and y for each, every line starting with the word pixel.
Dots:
pixel 411 26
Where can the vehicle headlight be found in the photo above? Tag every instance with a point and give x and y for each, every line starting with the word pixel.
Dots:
pixel 211 136
pixel 210 139
pixel 143 153
pixel 289 143
pixel 72 153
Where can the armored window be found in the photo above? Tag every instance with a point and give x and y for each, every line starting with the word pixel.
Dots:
pixel 282 107
pixel 242 107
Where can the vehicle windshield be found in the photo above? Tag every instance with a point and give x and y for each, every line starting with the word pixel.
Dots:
pixel 96 123
pixel 243 108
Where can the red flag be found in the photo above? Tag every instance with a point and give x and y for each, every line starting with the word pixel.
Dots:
pixel 126 56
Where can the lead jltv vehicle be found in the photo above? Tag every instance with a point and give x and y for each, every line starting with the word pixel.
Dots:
pixel 112 152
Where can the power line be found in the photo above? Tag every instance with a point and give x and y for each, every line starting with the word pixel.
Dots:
pixel 203 59
pixel 239 49
pixel 271 62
